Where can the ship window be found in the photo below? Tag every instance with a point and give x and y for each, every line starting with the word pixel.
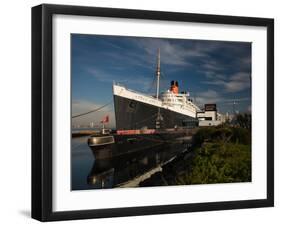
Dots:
pixel 132 104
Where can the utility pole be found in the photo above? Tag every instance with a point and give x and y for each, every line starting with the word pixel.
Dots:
pixel 235 102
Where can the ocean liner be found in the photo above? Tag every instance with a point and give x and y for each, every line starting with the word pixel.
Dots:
pixel 146 122
pixel 166 110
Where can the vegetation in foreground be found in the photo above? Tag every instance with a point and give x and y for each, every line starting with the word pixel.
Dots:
pixel 219 155
pixel 222 155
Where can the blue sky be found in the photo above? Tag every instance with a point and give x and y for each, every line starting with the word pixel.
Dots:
pixel 212 71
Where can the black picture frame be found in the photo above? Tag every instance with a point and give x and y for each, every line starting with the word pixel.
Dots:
pixel 42 111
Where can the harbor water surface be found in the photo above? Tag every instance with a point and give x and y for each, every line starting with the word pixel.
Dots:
pixel 122 171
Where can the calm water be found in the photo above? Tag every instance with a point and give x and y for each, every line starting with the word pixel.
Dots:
pixel 87 173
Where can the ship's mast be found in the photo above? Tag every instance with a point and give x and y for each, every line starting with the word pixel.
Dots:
pixel 158 74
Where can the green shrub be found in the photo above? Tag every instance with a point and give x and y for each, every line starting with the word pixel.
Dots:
pixel 222 155
pixel 241 135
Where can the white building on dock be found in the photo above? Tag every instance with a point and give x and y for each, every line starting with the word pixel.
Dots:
pixel 210 116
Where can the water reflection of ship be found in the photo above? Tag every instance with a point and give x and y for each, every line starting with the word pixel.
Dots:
pixel 118 171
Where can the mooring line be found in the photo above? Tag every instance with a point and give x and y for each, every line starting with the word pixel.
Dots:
pixel 97 109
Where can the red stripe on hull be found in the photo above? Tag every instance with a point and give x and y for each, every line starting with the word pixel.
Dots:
pixel 137 131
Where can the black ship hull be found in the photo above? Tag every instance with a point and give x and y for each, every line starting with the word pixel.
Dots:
pixel 131 114
pixel 128 144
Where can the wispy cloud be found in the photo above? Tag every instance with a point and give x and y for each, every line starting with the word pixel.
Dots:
pixel 143 82
pixel 223 102
pixel 209 96
pixel 130 58
pixel 171 53
pixel 166 49
pixel 234 83
pixel 212 66
pixel 214 75
pixel 238 82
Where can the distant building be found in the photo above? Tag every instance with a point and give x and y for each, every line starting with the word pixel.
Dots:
pixel 209 116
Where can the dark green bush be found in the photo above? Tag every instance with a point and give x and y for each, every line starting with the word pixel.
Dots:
pixel 222 155
pixel 241 135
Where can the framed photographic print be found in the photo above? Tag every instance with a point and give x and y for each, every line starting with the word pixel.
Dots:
pixel 145 112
